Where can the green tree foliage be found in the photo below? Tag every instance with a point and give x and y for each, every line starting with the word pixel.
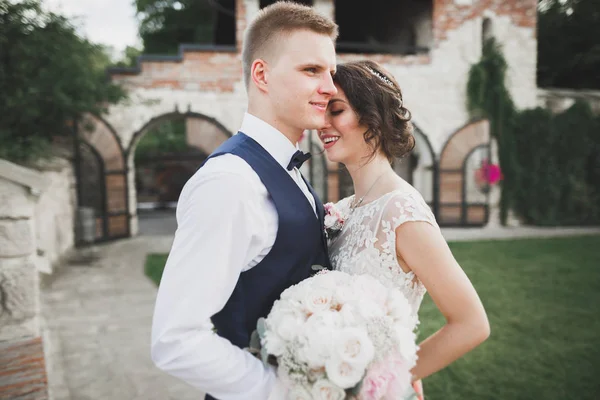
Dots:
pixel 167 137
pixel 129 57
pixel 48 77
pixel 555 181
pixel 550 162
pixel 569 44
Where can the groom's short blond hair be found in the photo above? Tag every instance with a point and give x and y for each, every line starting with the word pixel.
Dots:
pixel 276 20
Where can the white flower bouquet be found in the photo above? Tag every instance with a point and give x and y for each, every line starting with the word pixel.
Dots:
pixel 337 336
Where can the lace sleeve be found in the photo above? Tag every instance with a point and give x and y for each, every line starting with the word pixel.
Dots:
pixel 405 207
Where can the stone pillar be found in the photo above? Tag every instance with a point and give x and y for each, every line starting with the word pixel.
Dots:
pixel 22 362
pixel 495 192
pixel 245 12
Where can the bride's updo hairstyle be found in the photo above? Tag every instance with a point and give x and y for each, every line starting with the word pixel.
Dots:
pixel 376 98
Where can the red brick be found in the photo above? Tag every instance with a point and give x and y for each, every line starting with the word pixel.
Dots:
pixel 23 370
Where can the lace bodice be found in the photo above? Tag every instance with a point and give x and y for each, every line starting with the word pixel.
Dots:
pixel 367 242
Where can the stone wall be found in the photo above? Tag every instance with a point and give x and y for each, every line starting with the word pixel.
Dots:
pixel 208 80
pixel 36 230
pixel 55 214
pixel 434 84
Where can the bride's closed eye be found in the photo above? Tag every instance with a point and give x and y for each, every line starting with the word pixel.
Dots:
pixel 336 112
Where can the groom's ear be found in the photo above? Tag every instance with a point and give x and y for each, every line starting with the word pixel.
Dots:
pixel 258 74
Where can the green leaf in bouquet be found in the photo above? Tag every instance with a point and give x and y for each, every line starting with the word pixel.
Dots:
pixel 317 267
pixel 356 389
pixel 264 356
pixel 255 341
pixel 261 327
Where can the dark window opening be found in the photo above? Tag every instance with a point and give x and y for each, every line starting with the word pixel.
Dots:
pixel 224 27
pixel 382 26
pixel 206 23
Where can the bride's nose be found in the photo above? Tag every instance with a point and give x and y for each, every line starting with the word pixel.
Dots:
pixel 326 125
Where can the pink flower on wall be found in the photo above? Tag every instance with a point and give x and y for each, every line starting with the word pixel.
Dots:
pixel 487 175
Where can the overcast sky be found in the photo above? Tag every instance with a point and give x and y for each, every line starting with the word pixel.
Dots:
pixel 109 22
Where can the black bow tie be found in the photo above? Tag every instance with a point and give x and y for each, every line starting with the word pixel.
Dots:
pixel 298 159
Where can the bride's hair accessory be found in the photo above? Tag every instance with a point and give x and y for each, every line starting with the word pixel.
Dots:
pixel 385 80
pixel 382 77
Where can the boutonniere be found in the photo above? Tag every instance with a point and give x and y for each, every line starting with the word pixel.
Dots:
pixel 334 221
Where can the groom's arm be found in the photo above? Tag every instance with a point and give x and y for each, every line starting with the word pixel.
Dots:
pixel 218 221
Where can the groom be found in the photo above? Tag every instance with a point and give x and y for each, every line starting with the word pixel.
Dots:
pixel 249 226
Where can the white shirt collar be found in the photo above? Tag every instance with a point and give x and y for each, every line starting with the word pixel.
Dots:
pixel 272 140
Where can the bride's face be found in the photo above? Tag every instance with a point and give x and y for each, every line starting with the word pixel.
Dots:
pixel 343 135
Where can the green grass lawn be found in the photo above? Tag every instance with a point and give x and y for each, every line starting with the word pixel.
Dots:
pixel 543 298
pixel 155 263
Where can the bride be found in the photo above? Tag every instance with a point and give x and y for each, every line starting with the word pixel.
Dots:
pixel 389 231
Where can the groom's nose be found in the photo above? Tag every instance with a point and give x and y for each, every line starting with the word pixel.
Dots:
pixel 327 86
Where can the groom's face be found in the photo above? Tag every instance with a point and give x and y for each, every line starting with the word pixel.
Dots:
pixel 300 79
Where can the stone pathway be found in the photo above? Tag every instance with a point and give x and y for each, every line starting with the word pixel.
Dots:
pixel 500 233
pixel 97 318
pixel 157 222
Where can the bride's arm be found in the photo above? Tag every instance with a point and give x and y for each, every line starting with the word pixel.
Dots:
pixel 424 250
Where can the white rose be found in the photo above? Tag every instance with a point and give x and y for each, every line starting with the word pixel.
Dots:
pixel 354 346
pixel 323 319
pixel 326 390
pixel 286 295
pixel 344 374
pixel 317 300
pixel 274 344
pixel 317 347
pixel 298 392
pixel 329 280
pixel 342 295
pixel 285 322
pixel 368 309
pixel 372 288
pixel 348 315
pixel 296 292
pixel 339 278
pixel 407 344
pixel 289 326
pixel 398 308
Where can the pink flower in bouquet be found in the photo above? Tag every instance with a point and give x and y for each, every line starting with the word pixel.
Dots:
pixel 386 380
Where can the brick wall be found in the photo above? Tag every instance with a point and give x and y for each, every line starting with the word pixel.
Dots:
pixel 23 372
pixel 448 15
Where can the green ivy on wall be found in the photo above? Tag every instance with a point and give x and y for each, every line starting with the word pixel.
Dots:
pixel 550 162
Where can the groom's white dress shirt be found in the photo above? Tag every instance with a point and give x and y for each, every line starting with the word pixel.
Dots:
pixel 226 224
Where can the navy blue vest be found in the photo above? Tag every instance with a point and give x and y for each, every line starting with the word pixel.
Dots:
pixel 300 244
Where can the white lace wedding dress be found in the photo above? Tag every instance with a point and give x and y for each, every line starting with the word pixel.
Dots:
pixel 367 242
